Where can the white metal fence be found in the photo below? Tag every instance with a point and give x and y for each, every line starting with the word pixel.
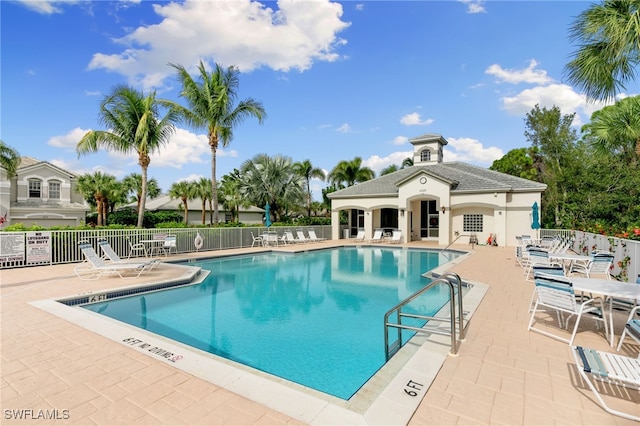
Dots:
pixel 626 265
pixel 33 248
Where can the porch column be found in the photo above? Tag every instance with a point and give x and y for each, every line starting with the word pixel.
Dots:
pixel 335 225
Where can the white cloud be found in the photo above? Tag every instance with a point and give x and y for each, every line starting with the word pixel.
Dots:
pixel 414 119
pixel 244 33
pixel 46 7
pixel 400 140
pixel 526 75
pixel 70 140
pixel 470 151
pixel 345 128
pixel 377 163
pixel 193 177
pixel 474 6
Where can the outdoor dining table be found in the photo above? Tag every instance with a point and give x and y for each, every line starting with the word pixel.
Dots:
pixel 270 238
pixel 610 289
pixel 152 246
pixel 568 259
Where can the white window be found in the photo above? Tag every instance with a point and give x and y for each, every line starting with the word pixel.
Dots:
pixel 228 217
pixel 54 190
pixel 425 155
pixel 472 223
pixel 35 188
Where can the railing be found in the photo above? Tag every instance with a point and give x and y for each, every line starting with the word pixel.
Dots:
pixel 447 278
pixel 34 248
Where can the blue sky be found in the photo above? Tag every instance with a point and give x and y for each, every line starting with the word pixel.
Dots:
pixel 337 79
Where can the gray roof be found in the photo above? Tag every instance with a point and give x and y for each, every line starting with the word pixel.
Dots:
pixel 165 202
pixel 461 176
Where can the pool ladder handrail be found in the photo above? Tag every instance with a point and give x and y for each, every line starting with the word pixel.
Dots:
pixel 447 279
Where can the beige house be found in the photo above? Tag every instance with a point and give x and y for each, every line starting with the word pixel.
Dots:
pixel 249 215
pixel 437 201
pixel 41 194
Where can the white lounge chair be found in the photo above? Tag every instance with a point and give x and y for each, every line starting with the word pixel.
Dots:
pixel 377 236
pixel 396 237
pixel 110 254
pixel 290 238
pixel 612 369
pixel 301 237
pixel 313 237
pixel 556 292
pixel 361 235
pixel 94 267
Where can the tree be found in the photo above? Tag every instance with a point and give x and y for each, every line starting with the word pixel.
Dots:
pixel 232 198
pixel 95 188
pixel 134 126
pixel 348 173
pixel 306 170
pixel 608 35
pixel 212 106
pixel 273 180
pixel 517 162
pixel 133 184
pixel 185 191
pixel 616 129
pixel 203 190
pixel 407 162
pixel 9 159
pixel 552 135
pixel 389 169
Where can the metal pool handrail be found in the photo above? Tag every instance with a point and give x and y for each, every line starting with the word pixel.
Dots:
pixel 447 279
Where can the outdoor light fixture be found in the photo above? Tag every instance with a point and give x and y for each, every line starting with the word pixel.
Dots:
pixel 443 209
pixel 402 212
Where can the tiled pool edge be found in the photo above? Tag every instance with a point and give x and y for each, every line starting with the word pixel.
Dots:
pixel 395 404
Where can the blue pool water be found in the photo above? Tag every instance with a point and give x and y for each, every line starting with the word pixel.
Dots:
pixel 314 318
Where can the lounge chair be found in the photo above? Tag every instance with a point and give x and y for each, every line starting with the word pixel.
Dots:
pixel 396 237
pixel 290 238
pixel 631 328
pixel 556 292
pixel 301 237
pixel 361 235
pixel 110 254
pixel 611 369
pixel 95 267
pixel 313 237
pixel 377 236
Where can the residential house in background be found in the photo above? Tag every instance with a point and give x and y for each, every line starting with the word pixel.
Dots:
pixel 41 194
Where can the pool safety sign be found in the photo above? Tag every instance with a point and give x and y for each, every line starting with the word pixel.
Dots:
pixel 38 247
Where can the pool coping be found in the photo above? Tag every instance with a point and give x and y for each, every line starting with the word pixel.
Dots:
pixel 391 396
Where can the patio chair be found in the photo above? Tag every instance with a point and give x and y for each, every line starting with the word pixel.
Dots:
pixel 377 236
pixel 632 327
pixel 556 292
pixel 136 248
pixel 94 267
pixel 110 254
pixel 611 369
pixel 538 257
pixel 396 237
pixel 600 263
pixel 256 240
pixel 541 271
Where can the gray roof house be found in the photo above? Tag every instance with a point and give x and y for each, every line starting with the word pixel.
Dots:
pixel 438 201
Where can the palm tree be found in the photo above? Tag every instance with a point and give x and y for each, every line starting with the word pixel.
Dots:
pixel 212 106
pixel 95 188
pixel 134 126
pixel 608 35
pixel 306 170
pixel 185 191
pixel 273 180
pixel 203 190
pixel 133 184
pixel 232 198
pixel 407 162
pixel 348 173
pixel 389 169
pixel 616 128
pixel 9 159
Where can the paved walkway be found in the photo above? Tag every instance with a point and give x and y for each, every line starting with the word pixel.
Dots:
pixel 503 375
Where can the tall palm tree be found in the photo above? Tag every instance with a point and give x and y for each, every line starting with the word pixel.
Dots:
pixel 9 159
pixel 616 128
pixel 608 35
pixel 95 188
pixel 348 173
pixel 307 171
pixel 389 169
pixel 134 126
pixel 203 190
pixel 232 198
pixel 407 162
pixel 212 106
pixel 133 184
pixel 185 191
pixel 273 180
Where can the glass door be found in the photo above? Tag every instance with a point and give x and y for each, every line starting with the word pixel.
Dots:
pixel 429 219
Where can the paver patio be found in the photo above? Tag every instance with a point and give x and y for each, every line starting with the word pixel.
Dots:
pixel 503 374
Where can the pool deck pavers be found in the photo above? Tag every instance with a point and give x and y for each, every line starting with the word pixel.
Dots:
pixel 503 375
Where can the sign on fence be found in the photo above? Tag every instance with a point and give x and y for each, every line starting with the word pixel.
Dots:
pixel 38 247
pixel 11 247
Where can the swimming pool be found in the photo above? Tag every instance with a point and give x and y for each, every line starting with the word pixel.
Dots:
pixel 314 318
